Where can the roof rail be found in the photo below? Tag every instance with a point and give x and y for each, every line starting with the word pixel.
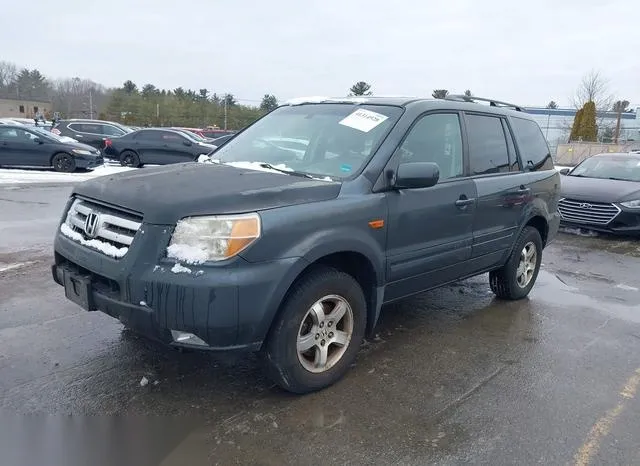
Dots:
pixel 492 102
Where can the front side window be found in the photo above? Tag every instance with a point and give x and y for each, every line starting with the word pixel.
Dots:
pixel 487 145
pixel 534 149
pixel 333 139
pixel 435 138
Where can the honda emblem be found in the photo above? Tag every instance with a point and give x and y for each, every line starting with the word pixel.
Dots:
pixel 91 224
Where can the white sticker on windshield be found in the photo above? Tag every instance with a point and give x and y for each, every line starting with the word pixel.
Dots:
pixel 363 120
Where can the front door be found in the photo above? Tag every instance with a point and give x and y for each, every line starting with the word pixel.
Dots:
pixel 430 229
pixel 503 189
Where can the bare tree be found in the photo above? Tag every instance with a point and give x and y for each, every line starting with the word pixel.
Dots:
pixel 8 76
pixel 593 88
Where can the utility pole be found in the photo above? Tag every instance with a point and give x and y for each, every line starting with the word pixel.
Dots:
pixel 90 105
pixel 226 99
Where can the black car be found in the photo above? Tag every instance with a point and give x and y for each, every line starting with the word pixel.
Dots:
pixel 155 146
pixel 603 194
pixel 91 132
pixel 294 256
pixel 21 146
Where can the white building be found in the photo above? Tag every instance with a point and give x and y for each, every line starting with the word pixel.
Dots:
pixel 556 124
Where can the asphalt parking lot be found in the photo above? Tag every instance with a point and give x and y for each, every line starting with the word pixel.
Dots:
pixel 452 376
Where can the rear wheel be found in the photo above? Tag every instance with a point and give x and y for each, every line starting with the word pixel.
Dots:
pixel 129 159
pixel 63 163
pixel 318 332
pixel 516 278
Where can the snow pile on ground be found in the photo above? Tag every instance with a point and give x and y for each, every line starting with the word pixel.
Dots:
pixel 17 176
pixel 579 232
pixel 106 248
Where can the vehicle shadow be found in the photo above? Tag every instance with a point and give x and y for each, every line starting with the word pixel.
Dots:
pixel 422 332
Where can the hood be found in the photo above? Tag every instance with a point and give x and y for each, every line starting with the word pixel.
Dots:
pixel 167 193
pixel 599 190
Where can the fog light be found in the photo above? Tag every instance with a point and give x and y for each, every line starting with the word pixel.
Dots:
pixel 186 338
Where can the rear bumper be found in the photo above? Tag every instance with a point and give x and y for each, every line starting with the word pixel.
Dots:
pixel 228 307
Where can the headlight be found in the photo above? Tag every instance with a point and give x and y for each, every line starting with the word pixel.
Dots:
pixel 202 239
pixel 635 204
pixel 81 152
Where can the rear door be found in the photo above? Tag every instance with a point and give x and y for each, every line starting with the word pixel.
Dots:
pixel 149 145
pixel 430 230
pixel 501 184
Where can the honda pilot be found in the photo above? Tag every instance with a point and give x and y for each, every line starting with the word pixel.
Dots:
pixel 292 253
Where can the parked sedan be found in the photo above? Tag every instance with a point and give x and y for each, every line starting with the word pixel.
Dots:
pixel 22 146
pixel 155 146
pixel 603 194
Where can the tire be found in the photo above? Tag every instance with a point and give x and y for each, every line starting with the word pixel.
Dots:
pixel 322 290
pixel 128 158
pixel 63 163
pixel 516 278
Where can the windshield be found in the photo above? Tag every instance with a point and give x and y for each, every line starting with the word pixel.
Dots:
pixel 334 140
pixel 620 167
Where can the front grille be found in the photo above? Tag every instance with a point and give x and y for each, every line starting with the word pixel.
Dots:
pixel 594 213
pixel 108 225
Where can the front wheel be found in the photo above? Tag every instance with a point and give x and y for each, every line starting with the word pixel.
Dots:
pixel 516 278
pixel 63 163
pixel 318 332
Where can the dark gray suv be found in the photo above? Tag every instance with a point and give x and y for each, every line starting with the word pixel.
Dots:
pixel 292 253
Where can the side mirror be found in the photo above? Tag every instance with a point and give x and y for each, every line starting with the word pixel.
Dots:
pixel 565 171
pixel 37 141
pixel 416 175
pixel 187 143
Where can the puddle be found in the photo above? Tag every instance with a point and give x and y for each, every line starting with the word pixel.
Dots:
pixel 592 293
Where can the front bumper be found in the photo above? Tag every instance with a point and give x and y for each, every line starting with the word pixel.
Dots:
pixel 626 223
pixel 88 161
pixel 227 306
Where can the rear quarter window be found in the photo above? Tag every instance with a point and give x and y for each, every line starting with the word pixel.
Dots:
pixel 534 150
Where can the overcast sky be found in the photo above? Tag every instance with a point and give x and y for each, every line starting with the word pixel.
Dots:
pixel 521 51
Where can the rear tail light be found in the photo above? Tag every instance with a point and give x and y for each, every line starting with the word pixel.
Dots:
pixel 55 131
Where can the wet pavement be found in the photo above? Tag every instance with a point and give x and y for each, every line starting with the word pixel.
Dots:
pixel 453 376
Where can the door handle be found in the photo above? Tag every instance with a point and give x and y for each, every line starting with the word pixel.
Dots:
pixel 463 202
pixel 521 190
pixel 79 135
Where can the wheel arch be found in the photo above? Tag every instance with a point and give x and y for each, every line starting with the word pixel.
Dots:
pixel 351 261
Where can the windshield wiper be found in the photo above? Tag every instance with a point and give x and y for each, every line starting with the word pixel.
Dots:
pixel 288 172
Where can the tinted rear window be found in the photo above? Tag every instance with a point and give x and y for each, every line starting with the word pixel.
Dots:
pixel 487 145
pixel 534 150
